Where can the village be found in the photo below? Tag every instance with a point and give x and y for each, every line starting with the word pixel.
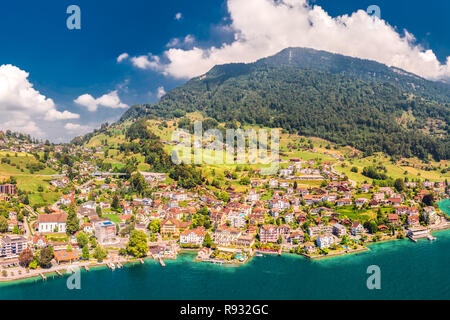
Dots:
pixel 103 218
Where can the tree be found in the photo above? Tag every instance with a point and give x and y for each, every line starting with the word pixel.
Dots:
pixel 3 224
pixel 82 239
pixel 73 223
pixel 399 184
pixel 26 257
pixel 85 253
pixel 45 257
pixel 428 199
pixel 115 203
pixel 137 246
pixel 154 226
pixel 100 253
pixel 207 241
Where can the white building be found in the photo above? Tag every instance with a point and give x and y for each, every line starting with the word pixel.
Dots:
pixel 48 223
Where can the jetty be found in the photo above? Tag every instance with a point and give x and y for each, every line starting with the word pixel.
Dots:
pixel 142 261
pixel 119 265
pixel 111 266
pixel 162 262
pixel 58 273
pixel 86 268
pixel 43 276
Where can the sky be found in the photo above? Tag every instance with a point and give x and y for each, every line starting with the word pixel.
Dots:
pixel 57 83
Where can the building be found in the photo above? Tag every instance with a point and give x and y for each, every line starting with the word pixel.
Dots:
pixel 105 232
pixel 430 215
pixel 339 230
pixel 48 223
pixel 325 241
pixel 268 233
pixel 193 236
pixel 173 227
pixel 357 229
pixel 7 189
pixel 12 246
pixel 225 236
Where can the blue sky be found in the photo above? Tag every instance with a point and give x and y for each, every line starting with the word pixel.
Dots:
pixel 65 66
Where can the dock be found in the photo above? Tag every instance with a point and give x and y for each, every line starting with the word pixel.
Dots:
pixel 119 265
pixel 162 262
pixel 58 273
pixel 86 268
pixel 43 276
pixel 142 261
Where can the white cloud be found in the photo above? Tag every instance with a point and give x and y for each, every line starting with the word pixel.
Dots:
pixel 189 40
pixel 110 100
pixel 161 92
pixel 147 62
pixel 75 128
pixel 264 27
pixel 178 16
pixel 122 57
pixel 22 106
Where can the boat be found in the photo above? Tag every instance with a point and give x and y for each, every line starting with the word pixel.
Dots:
pixel 259 254
pixel 431 238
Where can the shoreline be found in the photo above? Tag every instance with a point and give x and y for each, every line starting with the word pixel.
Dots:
pixel 99 265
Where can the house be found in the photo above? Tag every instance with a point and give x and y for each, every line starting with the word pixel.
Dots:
pixel 8 189
pixel 393 218
pixel 87 227
pixel 193 236
pixel 344 202
pixel 413 220
pixel 339 230
pixel 326 240
pixel 394 201
pixel 296 236
pixel 48 223
pixel 39 241
pixel 365 188
pixel 357 229
pixel 244 240
pixel 280 204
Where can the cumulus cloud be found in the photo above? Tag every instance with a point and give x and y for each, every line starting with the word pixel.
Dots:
pixel 22 106
pixel 189 40
pixel 75 128
pixel 122 57
pixel 147 62
pixel 178 16
pixel 109 100
pixel 161 92
pixel 264 27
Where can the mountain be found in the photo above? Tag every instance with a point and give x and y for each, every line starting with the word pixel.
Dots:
pixel 346 100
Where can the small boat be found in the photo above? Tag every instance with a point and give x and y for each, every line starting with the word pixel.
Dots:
pixel 259 254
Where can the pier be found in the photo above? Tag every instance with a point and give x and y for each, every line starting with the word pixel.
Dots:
pixel 86 268
pixel 162 262
pixel 43 276
pixel 142 261
pixel 119 265
pixel 58 273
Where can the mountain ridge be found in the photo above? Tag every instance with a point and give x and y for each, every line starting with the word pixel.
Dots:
pixel 318 93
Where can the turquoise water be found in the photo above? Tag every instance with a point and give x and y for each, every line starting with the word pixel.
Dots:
pixel 408 271
pixel 444 205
